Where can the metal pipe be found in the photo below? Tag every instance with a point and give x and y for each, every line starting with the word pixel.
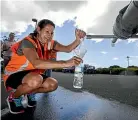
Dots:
pixel 105 36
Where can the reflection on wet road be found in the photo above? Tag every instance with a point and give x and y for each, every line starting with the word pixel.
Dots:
pixel 64 104
pixel 70 105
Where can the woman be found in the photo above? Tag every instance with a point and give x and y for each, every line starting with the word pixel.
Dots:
pixel 30 58
pixel 6 48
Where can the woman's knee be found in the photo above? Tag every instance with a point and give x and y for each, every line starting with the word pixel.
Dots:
pixel 50 84
pixel 53 85
pixel 33 80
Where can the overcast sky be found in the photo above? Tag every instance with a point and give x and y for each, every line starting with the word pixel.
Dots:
pixel 93 16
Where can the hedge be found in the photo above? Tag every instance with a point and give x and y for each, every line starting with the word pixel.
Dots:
pixel 117 71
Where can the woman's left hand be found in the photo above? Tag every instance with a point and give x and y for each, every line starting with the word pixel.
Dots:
pixel 80 34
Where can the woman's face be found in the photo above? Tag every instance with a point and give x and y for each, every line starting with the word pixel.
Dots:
pixel 46 34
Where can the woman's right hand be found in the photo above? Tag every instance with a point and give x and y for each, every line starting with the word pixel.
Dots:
pixel 74 61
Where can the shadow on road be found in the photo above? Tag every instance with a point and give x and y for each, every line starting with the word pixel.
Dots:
pixel 28 115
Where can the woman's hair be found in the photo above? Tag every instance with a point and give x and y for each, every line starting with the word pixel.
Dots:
pixel 42 24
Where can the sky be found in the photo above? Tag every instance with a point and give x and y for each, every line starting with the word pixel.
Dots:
pixel 92 16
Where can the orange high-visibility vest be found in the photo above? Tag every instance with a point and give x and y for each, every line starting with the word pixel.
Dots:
pixel 53 55
pixel 20 63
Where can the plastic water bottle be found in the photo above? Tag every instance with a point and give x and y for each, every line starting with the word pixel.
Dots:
pixel 80 51
pixel 78 76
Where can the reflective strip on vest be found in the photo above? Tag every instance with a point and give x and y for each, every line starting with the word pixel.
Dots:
pixel 20 69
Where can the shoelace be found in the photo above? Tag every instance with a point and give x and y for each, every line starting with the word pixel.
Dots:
pixel 17 102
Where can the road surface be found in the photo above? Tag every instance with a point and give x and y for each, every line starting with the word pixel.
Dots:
pixel 103 97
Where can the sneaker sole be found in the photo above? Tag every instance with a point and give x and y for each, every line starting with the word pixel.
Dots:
pixel 10 108
pixel 31 106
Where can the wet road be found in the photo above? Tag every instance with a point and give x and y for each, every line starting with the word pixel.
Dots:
pixel 102 98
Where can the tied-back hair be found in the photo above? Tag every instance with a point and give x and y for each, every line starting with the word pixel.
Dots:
pixel 42 23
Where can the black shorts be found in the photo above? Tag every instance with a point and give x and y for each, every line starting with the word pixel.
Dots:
pixel 15 79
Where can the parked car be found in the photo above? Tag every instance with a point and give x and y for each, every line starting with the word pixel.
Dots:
pixel 68 70
pixel 90 70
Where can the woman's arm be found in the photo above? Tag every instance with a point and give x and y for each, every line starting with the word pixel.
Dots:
pixel 33 57
pixel 66 48
pixel 62 48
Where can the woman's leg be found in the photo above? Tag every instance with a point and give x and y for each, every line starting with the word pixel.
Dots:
pixel 26 82
pixel 34 83
pixel 30 82
pixel 49 84
pixel 23 82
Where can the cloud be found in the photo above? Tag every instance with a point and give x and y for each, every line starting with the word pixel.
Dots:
pixel 103 52
pixel 106 20
pixel 68 6
pixel 95 17
pixel 134 57
pixel 20 13
pixel 115 58
pixel 97 40
pixel 131 40
pixel 87 15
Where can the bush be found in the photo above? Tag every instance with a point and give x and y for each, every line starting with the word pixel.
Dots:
pixel 117 71
pixel 103 71
pixel 133 70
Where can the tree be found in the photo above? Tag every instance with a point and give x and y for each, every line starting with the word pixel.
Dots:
pixel 114 66
pixel 133 66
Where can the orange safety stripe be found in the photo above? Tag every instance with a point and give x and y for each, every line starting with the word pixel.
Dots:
pixel 22 67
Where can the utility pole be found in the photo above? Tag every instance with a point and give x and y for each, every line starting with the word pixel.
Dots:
pixel 126 72
pixel 128 61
